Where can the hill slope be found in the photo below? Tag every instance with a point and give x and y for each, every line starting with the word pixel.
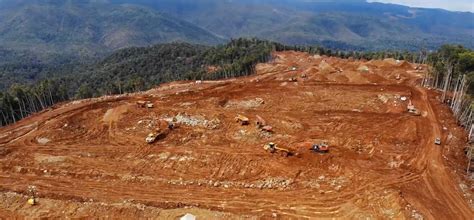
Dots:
pixel 89 28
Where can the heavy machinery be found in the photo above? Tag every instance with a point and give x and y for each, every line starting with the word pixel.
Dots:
pixel 273 148
pixel 32 193
pixel 412 110
pixel 151 138
pixel 161 132
pixel 262 125
pixel 260 122
pixel 145 104
pixel 437 141
pixel 242 120
pixel 267 129
pixel 320 148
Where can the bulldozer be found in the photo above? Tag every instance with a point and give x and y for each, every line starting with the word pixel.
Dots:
pixel 242 120
pixel 273 148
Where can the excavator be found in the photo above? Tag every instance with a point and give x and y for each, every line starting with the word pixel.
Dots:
pixel 320 148
pixel 412 110
pixel 162 131
pixel 262 125
pixel 273 148
pixel 242 120
pixel 145 104
pixel 32 200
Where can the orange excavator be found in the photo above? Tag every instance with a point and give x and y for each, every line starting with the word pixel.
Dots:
pixel 262 125
pixel 320 148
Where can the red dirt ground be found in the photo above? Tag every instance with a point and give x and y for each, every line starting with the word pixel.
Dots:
pixel 89 158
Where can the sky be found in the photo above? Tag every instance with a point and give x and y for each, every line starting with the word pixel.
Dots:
pixel 452 5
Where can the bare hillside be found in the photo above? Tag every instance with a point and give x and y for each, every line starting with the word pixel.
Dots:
pixel 89 158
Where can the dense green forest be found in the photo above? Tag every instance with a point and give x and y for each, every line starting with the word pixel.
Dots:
pixel 141 68
pixel 131 70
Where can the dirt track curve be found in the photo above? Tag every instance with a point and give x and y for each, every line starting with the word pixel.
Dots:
pixel 88 158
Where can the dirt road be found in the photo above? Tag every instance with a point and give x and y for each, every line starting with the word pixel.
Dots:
pixel 90 158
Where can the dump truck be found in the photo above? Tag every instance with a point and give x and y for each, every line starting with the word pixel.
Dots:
pixel 273 148
pixel 242 120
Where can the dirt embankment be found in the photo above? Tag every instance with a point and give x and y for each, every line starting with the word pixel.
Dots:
pixel 89 158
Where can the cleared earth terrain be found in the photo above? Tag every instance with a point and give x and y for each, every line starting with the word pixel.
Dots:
pixel 89 158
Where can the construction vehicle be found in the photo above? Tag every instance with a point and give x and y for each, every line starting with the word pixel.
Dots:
pixel 267 128
pixel 262 125
pixel 242 120
pixel 145 104
pixel 161 132
pixel 412 110
pixel 437 141
pixel 320 148
pixel 273 148
pixel 31 191
pixel 293 79
pixel 151 138
pixel 260 122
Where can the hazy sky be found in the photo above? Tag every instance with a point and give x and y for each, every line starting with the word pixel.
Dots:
pixel 453 5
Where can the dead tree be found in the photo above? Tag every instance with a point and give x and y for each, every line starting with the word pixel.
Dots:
pixel 447 79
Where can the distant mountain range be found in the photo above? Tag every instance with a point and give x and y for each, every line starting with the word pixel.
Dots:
pixel 92 27
pixel 354 24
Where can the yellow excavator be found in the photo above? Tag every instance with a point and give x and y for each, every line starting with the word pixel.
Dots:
pixel 32 193
pixel 242 120
pixel 273 148
pixel 164 128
